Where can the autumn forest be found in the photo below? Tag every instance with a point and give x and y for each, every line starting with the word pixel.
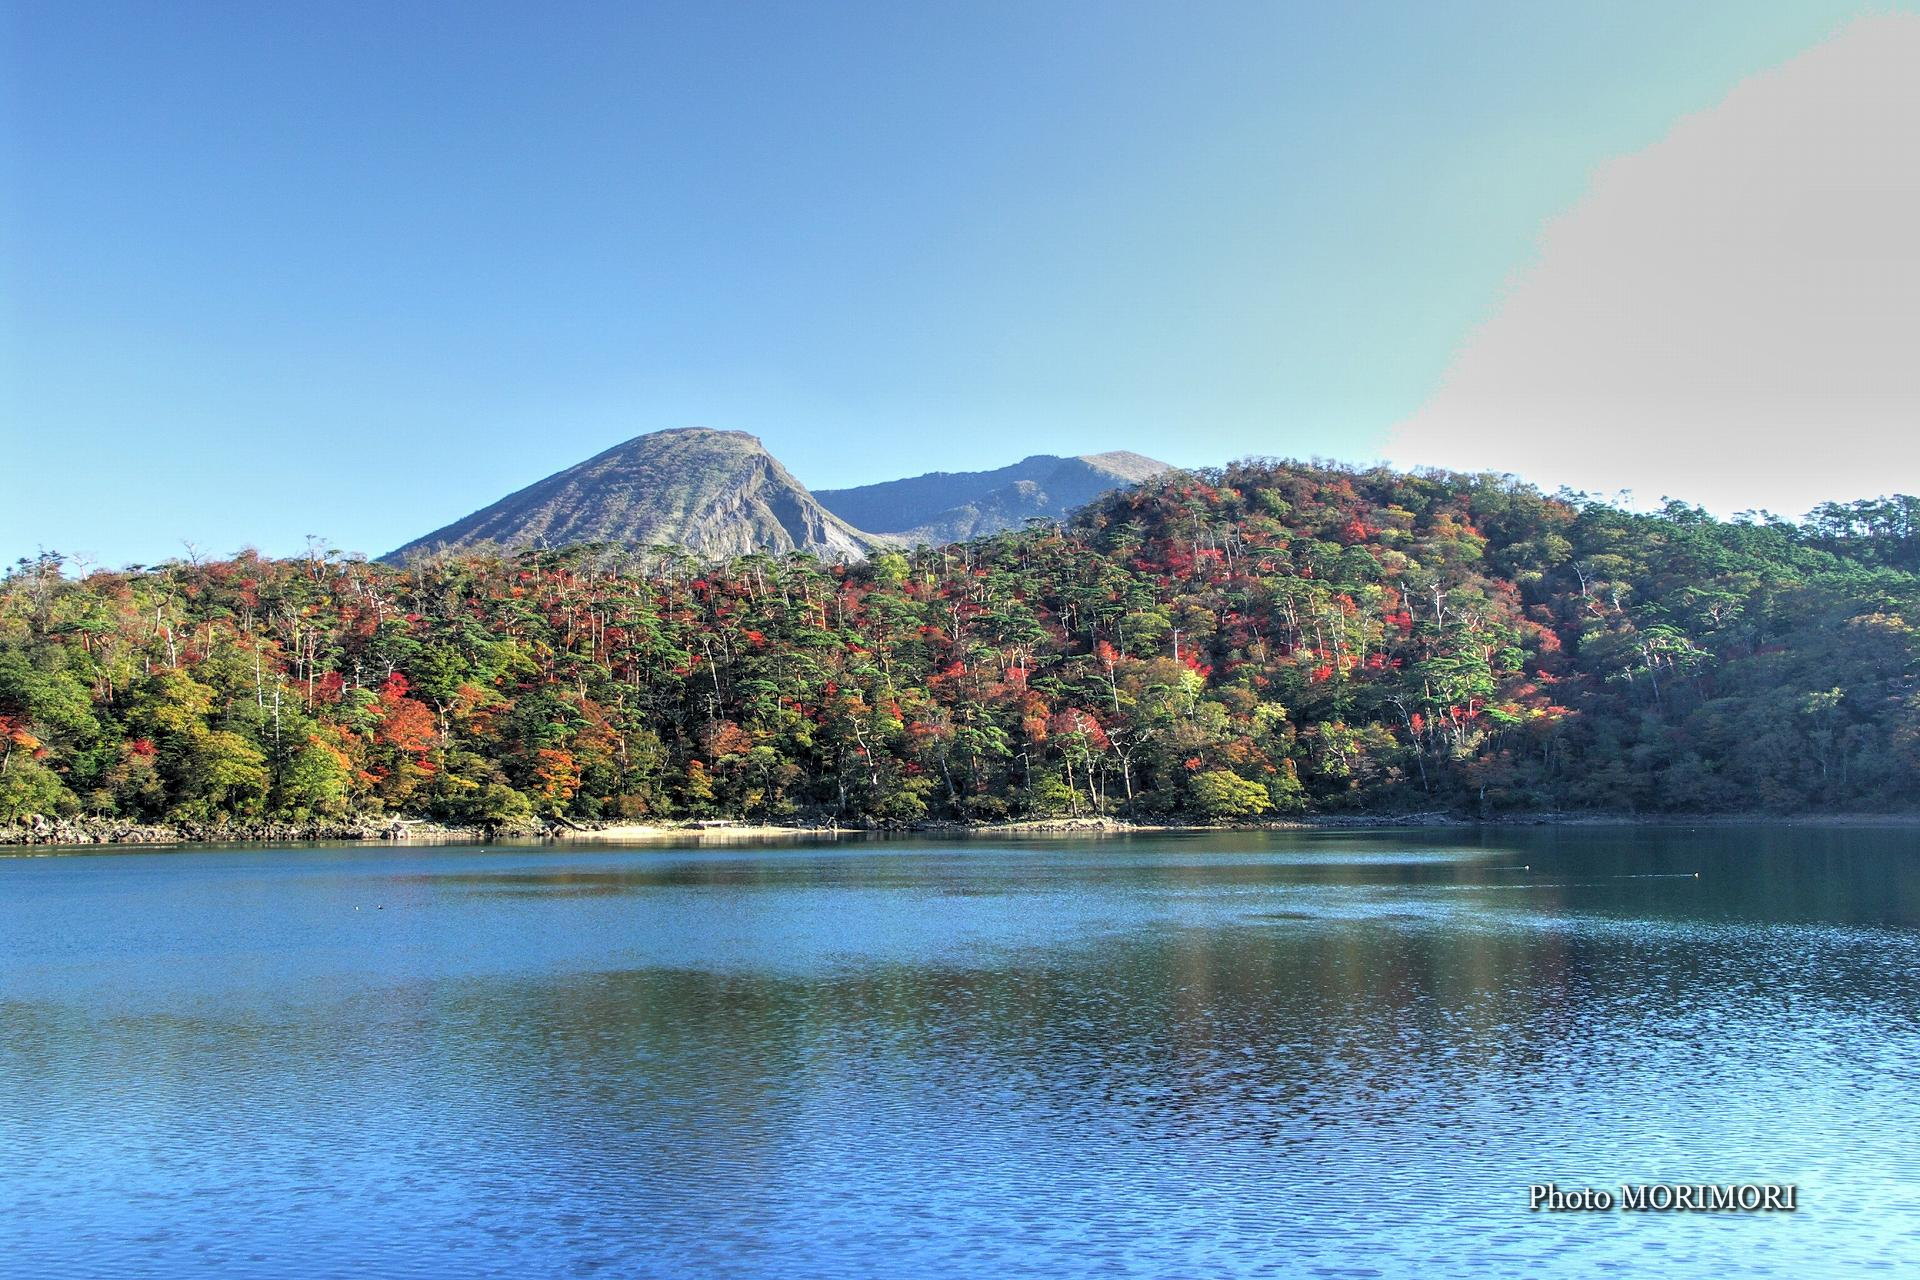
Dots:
pixel 1265 639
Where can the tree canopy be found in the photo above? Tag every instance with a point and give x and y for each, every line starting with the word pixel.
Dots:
pixel 1263 638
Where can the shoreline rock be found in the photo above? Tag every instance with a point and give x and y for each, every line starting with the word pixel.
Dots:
pixel 390 829
pixel 115 831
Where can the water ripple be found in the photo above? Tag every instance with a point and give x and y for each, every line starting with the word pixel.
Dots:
pixel 1201 1057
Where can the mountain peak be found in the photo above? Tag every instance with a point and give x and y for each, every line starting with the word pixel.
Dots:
pixel 697 432
pixel 720 493
pixel 714 492
pixel 947 506
pixel 1130 466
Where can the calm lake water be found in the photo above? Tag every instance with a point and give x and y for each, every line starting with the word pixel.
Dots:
pixel 1341 1054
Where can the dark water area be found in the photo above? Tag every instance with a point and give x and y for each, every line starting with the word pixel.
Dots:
pixel 1184 1055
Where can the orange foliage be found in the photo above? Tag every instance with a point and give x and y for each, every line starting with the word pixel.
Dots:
pixel 405 724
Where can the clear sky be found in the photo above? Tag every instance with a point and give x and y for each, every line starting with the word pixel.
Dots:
pixel 354 270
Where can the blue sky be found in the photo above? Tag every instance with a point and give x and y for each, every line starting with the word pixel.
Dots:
pixel 272 270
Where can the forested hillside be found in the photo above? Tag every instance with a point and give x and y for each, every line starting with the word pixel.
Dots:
pixel 1268 638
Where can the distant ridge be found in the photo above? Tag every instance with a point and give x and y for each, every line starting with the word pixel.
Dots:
pixel 947 506
pixel 716 493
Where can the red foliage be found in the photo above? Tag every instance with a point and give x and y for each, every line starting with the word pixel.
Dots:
pixel 1072 721
pixel 405 724
pixel 727 739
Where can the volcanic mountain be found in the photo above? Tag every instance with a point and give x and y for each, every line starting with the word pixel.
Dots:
pixel 716 493
pixel 720 493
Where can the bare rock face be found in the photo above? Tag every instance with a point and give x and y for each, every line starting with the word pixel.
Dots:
pixel 720 493
pixel 715 493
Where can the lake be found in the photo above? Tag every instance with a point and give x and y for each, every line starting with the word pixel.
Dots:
pixel 1178 1055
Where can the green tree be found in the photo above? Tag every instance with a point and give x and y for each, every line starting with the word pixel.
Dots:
pixel 1218 793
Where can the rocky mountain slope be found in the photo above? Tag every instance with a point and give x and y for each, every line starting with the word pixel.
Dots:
pixel 946 506
pixel 716 493
pixel 720 493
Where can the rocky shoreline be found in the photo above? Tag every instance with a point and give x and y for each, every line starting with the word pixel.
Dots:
pixel 398 830
pixel 96 831
pixel 401 830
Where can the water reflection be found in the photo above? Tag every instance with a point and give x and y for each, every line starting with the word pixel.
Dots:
pixel 1201 1055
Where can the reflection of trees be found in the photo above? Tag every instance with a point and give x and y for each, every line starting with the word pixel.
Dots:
pixel 1270 1020
pixel 1295 1007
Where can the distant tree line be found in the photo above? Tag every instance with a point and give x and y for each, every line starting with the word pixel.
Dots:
pixel 1267 638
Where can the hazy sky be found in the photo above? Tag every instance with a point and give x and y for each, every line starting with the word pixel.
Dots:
pixel 1731 316
pixel 270 270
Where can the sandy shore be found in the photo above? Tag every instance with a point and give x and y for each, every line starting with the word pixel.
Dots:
pixel 738 831
pixel 722 831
